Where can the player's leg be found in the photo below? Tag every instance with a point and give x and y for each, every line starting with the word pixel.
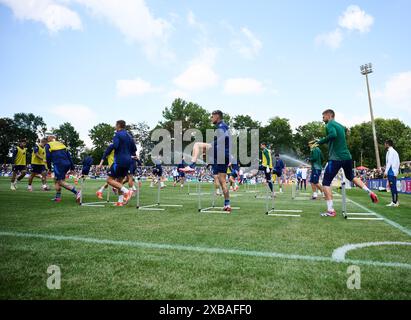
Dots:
pixel 199 149
pixel 348 171
pixel 331 171
pixel 222 178
pixel 60 175
pixel 392 180
pixel 217 185
pixel 30 181
pixel 115 179
pixel 44 179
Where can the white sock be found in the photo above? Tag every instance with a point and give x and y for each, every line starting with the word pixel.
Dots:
pixel 134 188
pixel 162 184
pixel 124 190
pixel 365 188
pixel 315 195
pixel 330 205
pixel 101 189
pixel 121 198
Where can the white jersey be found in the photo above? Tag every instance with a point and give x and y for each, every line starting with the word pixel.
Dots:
pixel 304 172
pixel 392 166
pixel 175 172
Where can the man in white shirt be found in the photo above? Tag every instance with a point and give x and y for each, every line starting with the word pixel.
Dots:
pixel 392 168
pixel 304 173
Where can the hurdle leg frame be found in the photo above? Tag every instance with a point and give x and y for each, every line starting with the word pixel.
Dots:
pixel 156 206
pixel 212 209
pixel 272 212
pixel 93 204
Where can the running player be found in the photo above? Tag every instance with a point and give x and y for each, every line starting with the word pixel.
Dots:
pixel 266 166
pixel 87 163
pixel 124 148
pixel 58 155
pixel 181 174
pixel 219 151
pixel 38 165
pixel 19 164
pixel 316 159
pixel 109 155
pixel 339 157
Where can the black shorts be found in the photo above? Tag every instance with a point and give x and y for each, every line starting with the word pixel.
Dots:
pixel 315 176
pixel 332 168
pixel 268 176
pixel 85 171
pixel 118 172
pixel 38 168
pixel 19 168
pixel 219 168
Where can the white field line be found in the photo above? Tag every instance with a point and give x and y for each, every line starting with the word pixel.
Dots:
pixel 148 245
pixel 339 254
pixel 390 222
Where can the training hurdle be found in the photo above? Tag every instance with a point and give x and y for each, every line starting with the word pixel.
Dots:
pixel 193 193
pixel 354 215
pixel 158 206
pixel 100 203
pixel 213 208
pixel 272 212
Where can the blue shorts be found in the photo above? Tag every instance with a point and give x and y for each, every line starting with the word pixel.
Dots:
pixel 19 168
pixel 133 168
pixel 85 171
pixel 332 168
pixel 60 171
pixel 278 172
pixel 38 168
pixel 181 174
pixel 118 172
pixel 219 168
pixel 158 172
pixel 315 176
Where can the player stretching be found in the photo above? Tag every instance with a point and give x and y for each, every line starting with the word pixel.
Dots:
pixel 19 164
pixel 220 147
pixel 339 157
pixel 38 165
pixel 124 148
pixel 58 155
pixel 316 159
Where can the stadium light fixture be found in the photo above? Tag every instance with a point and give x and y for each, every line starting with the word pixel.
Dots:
pixel 366 69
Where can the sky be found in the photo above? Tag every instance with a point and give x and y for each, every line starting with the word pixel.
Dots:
pixel 93 61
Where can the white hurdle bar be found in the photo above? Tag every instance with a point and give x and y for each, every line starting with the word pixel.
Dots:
pixel 213 208
pixel 96 203
pixel 272 212
pixel 156 206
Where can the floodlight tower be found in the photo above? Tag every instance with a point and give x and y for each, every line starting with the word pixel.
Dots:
pixel 366 69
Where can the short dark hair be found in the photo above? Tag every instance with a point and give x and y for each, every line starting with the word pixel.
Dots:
pixel 121 124
pixel 263 143
pixel 218 112
pixel 277 155
pixel 329 111
pixel 389 142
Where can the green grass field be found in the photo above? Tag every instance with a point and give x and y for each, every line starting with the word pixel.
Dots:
pixel 179 253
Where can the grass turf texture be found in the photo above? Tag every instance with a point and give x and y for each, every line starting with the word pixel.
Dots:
pixel 132 269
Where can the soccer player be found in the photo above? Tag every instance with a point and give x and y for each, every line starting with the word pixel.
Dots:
pixel 38 165
pixel 392 168
pixel 158 173
pixel 339 157
pixel 316 159
pixel 124 148
pixel 279 167
pixel 266 165
pixel 19 164
pixel 219 150
pixel 181 174
pixel 109 155
pixel 232 172
pixel 87 163
pixel 58 155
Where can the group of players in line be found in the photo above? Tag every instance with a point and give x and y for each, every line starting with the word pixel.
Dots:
pixel 122 158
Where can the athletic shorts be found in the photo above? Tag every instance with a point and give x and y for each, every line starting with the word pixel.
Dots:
pixel 158 172
pixel 85 171
pixel 219 168
pixel 133 168
pixel 19 168
pixel 38 168
pixel 182 174
pixel 332 168
pixel 278 173
pixel 118 172
pixel 315 176
pixel 60 171
pixel 268 176
pixel 234 174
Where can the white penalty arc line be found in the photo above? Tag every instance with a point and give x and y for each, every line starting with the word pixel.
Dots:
pixel 339 254
pixel 148 245
pixel 390 222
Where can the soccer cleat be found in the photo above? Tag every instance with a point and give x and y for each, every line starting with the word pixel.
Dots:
pixel 187 169
pixel 396 205
pixel 13 187
pixel 313 198
pixel 227 209
pixel 56 199
pixel 390 204
pixel 331 214
pixel 78 197
pixel 46 188
pixel 119 204
pixel 127 196
pixel 30 188
pixel 231 189
pixel 236 188
pixel 99 195
pixel 373 197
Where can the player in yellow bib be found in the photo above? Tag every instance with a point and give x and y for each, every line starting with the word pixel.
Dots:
pixel 39 165
pixel 19 164
pixel 110 161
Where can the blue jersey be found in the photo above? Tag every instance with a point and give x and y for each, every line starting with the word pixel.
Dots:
pixel 124 148
pixel 279 165
pixel 87 162
pixel 222 140
pixel 57 154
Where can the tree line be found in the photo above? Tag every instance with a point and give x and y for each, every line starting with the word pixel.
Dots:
pixel 277 133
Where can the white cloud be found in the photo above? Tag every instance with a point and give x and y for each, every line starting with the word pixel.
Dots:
pixel 240 86
pixel 351 120
pixel 134 19
pixel 356 19
pixel 247 44
pixel 200 73
pixel 331 39
pixel 81 117
pixel 174 94
pixel 53 15
pixel 134 87
pixel 397 91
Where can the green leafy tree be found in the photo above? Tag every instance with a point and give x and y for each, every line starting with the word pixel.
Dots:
pixel 306 133
pixel 278 135
pixel 7 138
pixel 68 135
pixel 101 135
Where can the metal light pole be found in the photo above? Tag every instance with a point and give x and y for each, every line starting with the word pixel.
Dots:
pixel 366 69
